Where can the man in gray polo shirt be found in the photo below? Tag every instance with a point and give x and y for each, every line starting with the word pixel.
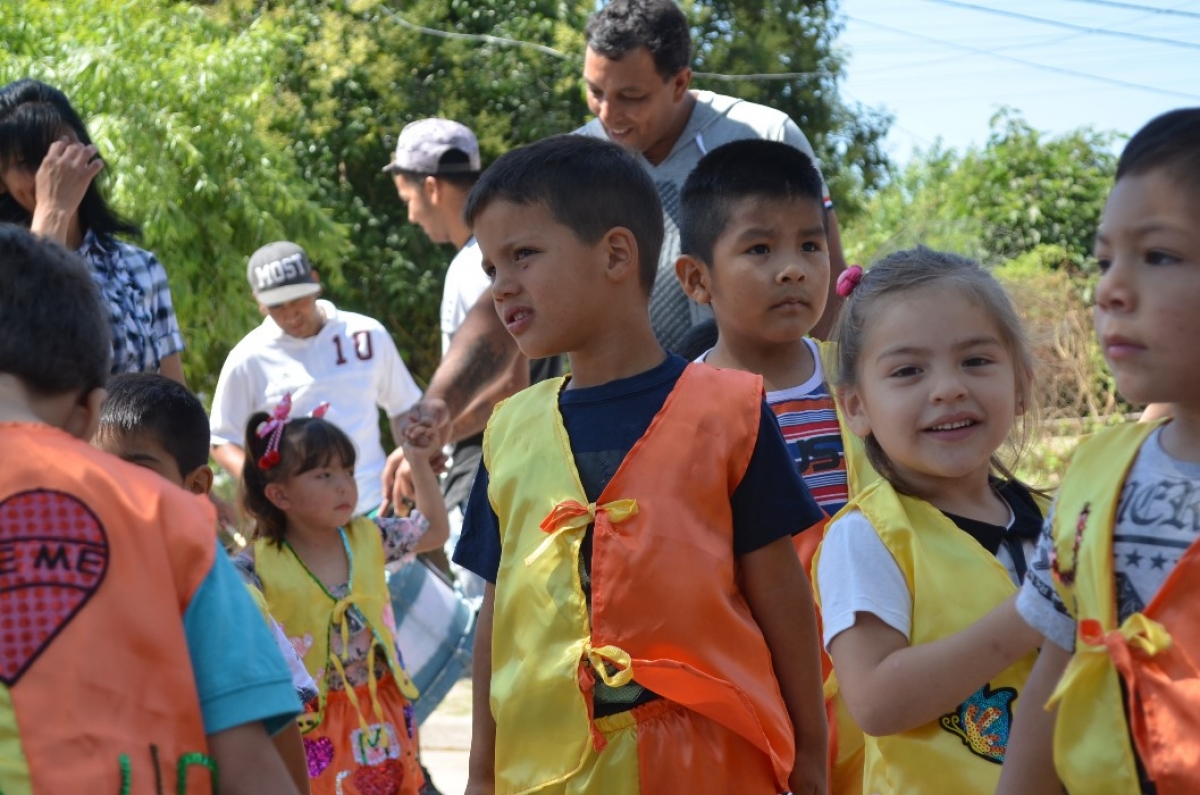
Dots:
pixel 637 76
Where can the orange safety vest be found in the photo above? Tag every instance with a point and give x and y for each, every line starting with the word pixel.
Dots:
pixel 1155 653
pixel 98 562
pixel 666 608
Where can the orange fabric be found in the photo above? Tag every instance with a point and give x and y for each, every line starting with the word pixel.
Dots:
pixel 683 751
pixel 98 562
pixel 697 646
pixel 348 761
pixel 1164 688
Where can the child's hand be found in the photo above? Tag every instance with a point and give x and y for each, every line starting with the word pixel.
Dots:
pixel 421 442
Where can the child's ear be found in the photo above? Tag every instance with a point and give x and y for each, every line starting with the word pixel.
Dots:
pixel 854 412
pixel 694 278
pixel 277 494
pixel 84 417
pixel 621 248
pixel 1024 392
pixel 199 480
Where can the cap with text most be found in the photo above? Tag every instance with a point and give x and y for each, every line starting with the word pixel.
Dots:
pixel 435 146
pixel 280 272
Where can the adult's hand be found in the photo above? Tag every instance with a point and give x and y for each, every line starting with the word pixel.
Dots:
pixel 398 485
pixel 61 182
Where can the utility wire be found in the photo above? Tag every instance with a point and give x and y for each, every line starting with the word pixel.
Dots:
pixel 1023 62
pixel 1067 25
pixel 1134 7
pixel 507 42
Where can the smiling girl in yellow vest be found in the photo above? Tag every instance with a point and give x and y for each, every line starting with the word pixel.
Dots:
pixel 1116 590
pixel 916 575
pixel 321 572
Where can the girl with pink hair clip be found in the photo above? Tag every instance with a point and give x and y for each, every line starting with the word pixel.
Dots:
pixel 321 573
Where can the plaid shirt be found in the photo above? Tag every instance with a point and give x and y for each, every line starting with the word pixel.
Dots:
pixel 134 286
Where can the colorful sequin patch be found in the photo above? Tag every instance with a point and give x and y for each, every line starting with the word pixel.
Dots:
pixel 983 722
pixel 375 745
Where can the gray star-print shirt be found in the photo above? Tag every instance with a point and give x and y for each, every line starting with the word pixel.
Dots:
pixel 1158 518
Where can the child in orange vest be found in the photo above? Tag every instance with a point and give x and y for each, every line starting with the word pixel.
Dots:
pixel 129 652
pixel 647 625
pixel 154 422
pixel 1113 586
pixel 321 572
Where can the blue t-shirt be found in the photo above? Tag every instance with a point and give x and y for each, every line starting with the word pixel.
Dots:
pixel 240 675
pixel 603 423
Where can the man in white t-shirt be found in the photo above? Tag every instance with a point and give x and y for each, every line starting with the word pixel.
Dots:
pixel 435 165
pixel 637 78
pixel 318 353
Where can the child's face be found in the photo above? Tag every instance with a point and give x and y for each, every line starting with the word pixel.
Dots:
pixel 937 387
pixel 1148 297
pixel 769 278
pixel 140 449
pixel 545 280
pixel 321 497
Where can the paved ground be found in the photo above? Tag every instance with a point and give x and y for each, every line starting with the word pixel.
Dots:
pixel 446 740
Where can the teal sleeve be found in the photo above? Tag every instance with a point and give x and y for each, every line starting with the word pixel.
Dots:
pixel 240 675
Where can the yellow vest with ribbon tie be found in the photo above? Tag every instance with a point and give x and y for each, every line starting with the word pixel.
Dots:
pixel 299 602
pixel 1156 652
pixel 954 581
pixel 663 518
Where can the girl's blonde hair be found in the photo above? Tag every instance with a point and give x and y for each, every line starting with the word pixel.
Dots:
pixel 914 269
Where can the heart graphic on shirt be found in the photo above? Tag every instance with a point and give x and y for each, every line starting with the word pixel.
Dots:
pixel 319 753
pixel 382 779
pixel 53 558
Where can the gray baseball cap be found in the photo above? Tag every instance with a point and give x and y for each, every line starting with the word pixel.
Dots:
pixel 280 272
pixel 422 144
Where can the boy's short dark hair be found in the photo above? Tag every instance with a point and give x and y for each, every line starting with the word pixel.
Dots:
pixel 589 186
pixel 54 332
pixel 736 171
pixel 154 404
pixel 1171 140
pixel 658 25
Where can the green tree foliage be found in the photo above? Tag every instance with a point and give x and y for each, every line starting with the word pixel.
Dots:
pixel 1020 191
pixel 357 72
pixel 737 37
pixel 174 102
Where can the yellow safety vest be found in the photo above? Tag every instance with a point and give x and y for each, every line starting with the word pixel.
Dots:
pixel 300 603
pixel 954 581
pixel 664 516
pixel 1155 651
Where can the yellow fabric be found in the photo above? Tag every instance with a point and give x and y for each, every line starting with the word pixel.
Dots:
pixel 14 769
pixel 1092 748
pixel 305 609
pixel 954 582
pixel 846 777
pixel 545 584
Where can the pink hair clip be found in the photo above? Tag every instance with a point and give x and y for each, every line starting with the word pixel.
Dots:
pixel 273 428
pixel 850 278
pixel 320 410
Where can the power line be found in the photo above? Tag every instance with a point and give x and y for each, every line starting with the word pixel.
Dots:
pixel 1134 7
pixel 1067 25
pixel 1023 62
pixel 507 42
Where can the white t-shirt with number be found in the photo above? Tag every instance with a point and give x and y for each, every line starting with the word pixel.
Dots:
pixel 351 363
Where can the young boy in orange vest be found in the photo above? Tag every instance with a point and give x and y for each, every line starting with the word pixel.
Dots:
pixel 647 626
pixel 154 422
pixel 131 656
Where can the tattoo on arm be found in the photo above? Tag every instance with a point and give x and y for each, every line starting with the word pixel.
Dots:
pixel 474 370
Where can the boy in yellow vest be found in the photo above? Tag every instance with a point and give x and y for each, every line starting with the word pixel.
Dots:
pixel 130 654
pixel 646 627
pixel 1113 587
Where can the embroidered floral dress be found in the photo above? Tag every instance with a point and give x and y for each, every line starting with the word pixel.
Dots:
pixel 366 739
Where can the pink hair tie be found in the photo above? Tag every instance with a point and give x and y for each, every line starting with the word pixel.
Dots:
pixel 850 278
pixel 272 429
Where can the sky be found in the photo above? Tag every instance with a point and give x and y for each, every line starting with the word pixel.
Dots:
pixel 944 67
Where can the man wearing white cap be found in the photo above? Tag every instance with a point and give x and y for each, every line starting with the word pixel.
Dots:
pixel 318 353
pixel 435 165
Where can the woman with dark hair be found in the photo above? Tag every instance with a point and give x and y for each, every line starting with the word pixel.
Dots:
pixel 48 167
